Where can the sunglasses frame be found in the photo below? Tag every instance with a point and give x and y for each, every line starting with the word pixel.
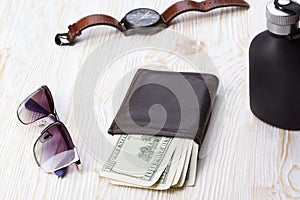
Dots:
pixel 51 103
pixel 55 121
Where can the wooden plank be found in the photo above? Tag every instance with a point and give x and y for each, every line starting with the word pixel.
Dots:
pixel 251 161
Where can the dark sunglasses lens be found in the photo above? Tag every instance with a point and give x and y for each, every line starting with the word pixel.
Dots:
pixel 36 106
pixel 54 149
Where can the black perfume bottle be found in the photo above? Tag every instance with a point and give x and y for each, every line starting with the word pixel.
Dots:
pixel 274 64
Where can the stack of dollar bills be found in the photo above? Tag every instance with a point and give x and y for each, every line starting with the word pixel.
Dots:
pixel 151 162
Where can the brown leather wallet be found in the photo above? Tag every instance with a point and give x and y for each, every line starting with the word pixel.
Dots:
pixel 143 20
pixel 168 104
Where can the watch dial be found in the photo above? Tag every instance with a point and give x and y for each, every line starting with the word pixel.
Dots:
pixel 142 17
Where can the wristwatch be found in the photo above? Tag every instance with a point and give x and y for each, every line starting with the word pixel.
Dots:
pixel 143 20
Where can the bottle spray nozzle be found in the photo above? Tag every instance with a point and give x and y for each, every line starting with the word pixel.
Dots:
pixel 288 6
pixel 283 2
pixel 283 17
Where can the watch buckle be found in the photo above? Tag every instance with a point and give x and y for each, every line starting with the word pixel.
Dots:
pixel 61 39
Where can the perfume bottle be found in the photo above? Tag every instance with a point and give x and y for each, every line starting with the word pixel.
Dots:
pixel 274 64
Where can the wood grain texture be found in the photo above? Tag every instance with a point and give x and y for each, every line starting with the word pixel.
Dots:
pixel 251 160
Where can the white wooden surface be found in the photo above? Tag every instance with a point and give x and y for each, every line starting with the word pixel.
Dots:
pixel 251 161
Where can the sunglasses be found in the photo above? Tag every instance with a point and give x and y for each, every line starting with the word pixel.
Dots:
pixel 54 150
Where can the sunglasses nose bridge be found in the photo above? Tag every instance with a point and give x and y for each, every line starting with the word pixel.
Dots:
pixel 43 122
pixel 47 120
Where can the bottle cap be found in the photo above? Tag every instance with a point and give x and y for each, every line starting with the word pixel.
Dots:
pixel 279 22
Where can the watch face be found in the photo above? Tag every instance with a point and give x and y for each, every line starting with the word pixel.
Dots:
pixel 142 17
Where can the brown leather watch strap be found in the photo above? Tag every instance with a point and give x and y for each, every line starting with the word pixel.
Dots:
pixel 88 21
pixel 204 6
pixel 167 16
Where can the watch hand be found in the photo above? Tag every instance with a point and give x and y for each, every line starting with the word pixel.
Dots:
pixel 147 14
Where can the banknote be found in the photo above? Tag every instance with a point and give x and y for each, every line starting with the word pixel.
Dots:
pixel 139 159
pixel 181 163
pixel 151 162
pixel 192 169
pixel 166 179
pixel 186 164
pixel 159 185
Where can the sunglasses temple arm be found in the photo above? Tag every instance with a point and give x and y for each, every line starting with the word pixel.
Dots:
pixel 61 172
pixel 56 116
pixel 78 164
